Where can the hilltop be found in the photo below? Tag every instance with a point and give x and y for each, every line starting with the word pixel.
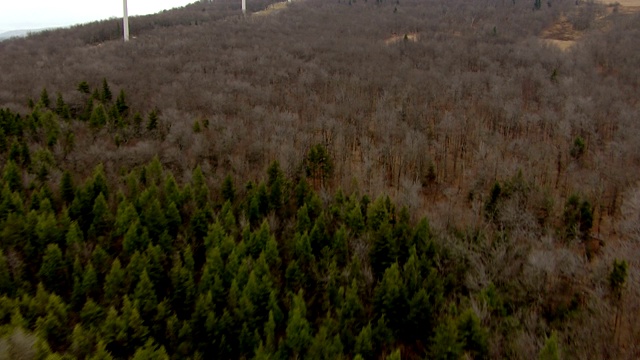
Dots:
pixel 325 179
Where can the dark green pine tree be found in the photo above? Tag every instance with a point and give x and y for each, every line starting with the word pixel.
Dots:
pixel 12 176
pixel 183 288
pixel 228 189
pixel 473 335
pixel 121 104
pixel 81 342
pixel 74 240
pixel 98 117
pixel 364 343
pixel 326 344
pixel 383 250
pixel 44 98
pixel 446 344
pixel 145 296
pixel 53 271
pixel 87 110
pixel 99 183
pixel 125 216
pixel 154 220
pixel 83 88
pixel 3 141
pixel 92 314
pixel 537 4
pixel 173 219
pixel 114 283
pixel 67 189
pixel 106 94
pixel 54 326
pixel 152 120
pixel 6 282
pixel 62 109
pixel 354 219
pixel 318 164
pixel 102 218
pixel 203 324
pixel 78 295
pixel 298 333
pixel 275 183
pixel 390 299
pixel 136 239
pixel 25 154
pixel 258 240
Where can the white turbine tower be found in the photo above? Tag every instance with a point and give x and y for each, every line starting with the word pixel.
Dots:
pixel 244 7
pixel 125 21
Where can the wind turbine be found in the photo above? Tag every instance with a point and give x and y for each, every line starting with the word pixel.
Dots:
pixel 125 21
pixel 244 7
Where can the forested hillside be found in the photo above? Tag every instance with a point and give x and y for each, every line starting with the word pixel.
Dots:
pixel 327 179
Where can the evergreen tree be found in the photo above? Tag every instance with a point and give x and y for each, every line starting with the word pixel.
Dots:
pixel 91 314
pixel 6 282
pixel 473 336
pixel 125 217
pixel 98 117
pixel 298 333
pixel 203 323
pixel 54 327
pixel 152 121
pixel 44 98
pixel 12 177
pixel 154 220
pixel 318 164
pixel 150 351
pixel 383 250
pixel 114 282
pixel 53 272
pixel 61 108
pixel 364 343
pixel 135 239
pixel 90 285
pixel 550 350
pixel 83 87
pixel 106 94
pixel 355 220
pixel 228 189
pixel 81 342
pixel 390 299
pixel 25 154
pixel 3 141
pixel 173 219
pixel 67 189
pixel 276 185
pixel 446 344
pixel 183 288
pixel 121 104
pixel 102 221
pixel 145 296
pixel 101 353
pixel 326 345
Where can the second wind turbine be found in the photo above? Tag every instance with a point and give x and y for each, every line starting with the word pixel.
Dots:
pixel 125 21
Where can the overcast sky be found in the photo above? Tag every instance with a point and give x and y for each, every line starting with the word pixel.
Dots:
pixel 37 14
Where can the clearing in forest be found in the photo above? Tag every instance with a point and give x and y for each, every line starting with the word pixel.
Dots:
pixel 564 35
pixel 271 9
pixel 561 34
pixel 395 38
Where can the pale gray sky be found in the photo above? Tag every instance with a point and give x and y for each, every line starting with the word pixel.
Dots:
pixel 37 14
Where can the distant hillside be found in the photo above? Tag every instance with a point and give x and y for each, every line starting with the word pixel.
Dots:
pixel 14 33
